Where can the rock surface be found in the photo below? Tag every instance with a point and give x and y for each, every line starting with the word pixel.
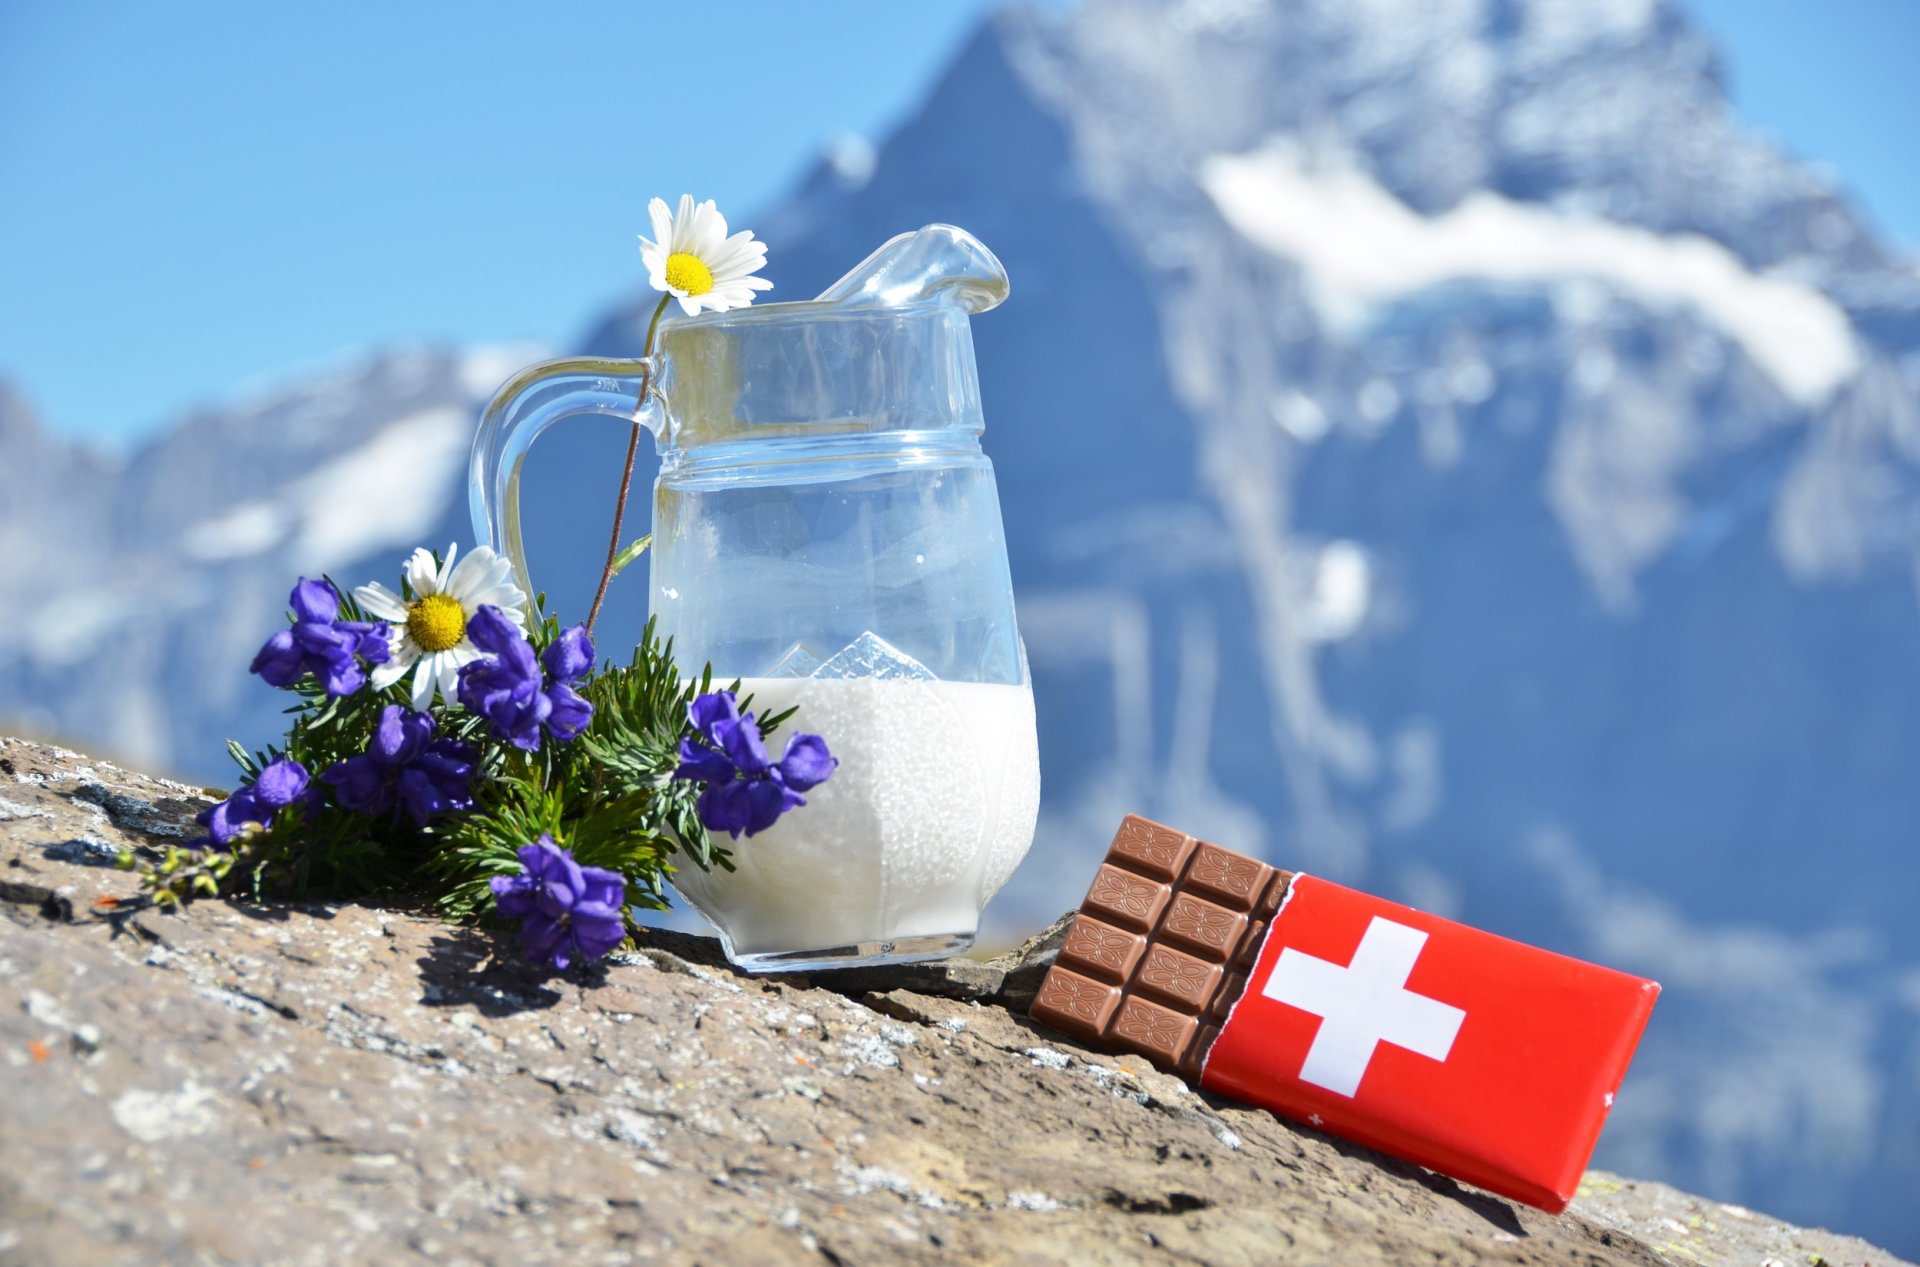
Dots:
pixel 337 1083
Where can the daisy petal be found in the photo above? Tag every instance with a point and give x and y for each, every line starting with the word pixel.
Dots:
pixel 423 684
pixel 447 671
pixel 722 257
pixel 380 602
pixel 709 228
pixel 385 675
pixel 421 573
pixel 498 574
pixel 682 225
pixel 469 576
pixel 446 568
pixel 507 598
pixel 662 224
pixel 736 249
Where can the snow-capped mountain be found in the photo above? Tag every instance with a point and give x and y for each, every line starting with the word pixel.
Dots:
pixel 1441 449
pixel 134 587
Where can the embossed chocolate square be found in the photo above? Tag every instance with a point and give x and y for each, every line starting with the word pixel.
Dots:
pixel 1153 962
pixel 1094 947
pixel 1121 896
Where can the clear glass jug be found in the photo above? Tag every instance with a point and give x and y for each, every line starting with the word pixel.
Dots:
pixel 827 529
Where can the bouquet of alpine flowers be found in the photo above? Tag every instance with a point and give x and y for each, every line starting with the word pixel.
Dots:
pixel 450 739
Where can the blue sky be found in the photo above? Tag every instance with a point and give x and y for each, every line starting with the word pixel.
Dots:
pixel 196 195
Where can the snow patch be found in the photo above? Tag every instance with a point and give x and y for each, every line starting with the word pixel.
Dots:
pixel 249 529
pixel 485 370
pixel 67 630
pixel 1361 248
pixel 1554 31
pixel 853 159
pixel 1300 416
pixel 389 492
pixel 1335 597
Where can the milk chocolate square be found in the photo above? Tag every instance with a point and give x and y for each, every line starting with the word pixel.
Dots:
pixel 1096 948
pixel 1153 963
pixel 1120 896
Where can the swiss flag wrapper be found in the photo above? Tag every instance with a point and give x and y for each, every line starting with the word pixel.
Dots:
pixel 1470 1054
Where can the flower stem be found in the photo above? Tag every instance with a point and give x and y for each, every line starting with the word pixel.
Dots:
pixel 626 475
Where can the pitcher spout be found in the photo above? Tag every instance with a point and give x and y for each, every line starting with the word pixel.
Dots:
pixel 937 262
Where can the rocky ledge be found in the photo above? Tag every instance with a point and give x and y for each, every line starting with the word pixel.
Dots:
pixel 333 1083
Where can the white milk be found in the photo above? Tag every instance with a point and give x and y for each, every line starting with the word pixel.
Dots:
pixel 930 811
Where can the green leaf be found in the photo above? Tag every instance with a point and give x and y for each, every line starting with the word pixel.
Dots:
pixel 629 554
pixel 241 759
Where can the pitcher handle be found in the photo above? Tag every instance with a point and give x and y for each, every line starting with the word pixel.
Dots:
pixel 529 403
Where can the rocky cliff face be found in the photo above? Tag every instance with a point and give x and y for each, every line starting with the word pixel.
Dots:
pixel 334 1083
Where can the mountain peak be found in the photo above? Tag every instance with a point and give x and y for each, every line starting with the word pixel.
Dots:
pixel 1593 105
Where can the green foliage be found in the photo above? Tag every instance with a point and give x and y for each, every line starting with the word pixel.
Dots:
pixel 609 796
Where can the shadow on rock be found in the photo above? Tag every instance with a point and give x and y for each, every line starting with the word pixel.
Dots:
pixel 1498 1213
pixel 280 912
pixel 83 851
pixel 466 967
pixel 690 947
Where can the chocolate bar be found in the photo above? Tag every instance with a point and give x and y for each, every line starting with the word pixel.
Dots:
pixel 1476 1056
pixel 1162 946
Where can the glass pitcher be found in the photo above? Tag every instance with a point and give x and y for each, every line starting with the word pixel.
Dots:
pixel 827 529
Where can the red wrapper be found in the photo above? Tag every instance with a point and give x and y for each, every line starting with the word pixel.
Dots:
pixel 1476 1056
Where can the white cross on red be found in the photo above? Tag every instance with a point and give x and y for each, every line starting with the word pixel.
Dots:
pixel 1362 1005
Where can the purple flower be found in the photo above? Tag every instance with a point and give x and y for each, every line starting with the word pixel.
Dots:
pixel 405 764
pixel 279 784
pixel 506 685
pixel 570 656
pixel 569 659
pixel 320 643
pixel 746 790
pixel 565 910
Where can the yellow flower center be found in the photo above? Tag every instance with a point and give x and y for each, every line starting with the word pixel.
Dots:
pixel 436 622
pixel 686 273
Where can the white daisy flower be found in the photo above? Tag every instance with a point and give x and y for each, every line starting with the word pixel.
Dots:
pixel 431 631
pixel 692 258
